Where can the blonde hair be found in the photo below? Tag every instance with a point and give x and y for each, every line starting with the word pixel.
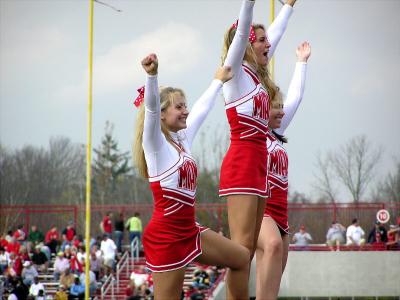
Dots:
pixel 167 97
pixel 250 57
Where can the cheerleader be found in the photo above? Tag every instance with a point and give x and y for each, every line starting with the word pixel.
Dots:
pixel 247 48
pixel 164 136
pixel 273 241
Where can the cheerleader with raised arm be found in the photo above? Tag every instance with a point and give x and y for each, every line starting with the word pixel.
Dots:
pixel 247 49
pixel 273 241
pixel 164 136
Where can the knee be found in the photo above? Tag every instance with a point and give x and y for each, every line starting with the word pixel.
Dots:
pixel 242 259
pixel 273 246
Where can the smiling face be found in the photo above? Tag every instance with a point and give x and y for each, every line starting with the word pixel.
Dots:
pixel 174 115
pixel 261 47
pixel 275 115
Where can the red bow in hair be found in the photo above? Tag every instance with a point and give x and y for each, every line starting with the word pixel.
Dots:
pixel 140 98
pixel 252 35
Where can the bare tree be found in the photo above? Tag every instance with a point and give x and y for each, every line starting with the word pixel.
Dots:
pixel 354 164
pixel 389 189
pixel 325 179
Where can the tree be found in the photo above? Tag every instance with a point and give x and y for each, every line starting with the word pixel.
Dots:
pixel 352 165
pixel 389 189
pixel 109 167
pixel 325 179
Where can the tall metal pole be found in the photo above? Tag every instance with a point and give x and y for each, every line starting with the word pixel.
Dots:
pixel 89 151
pixel 271 19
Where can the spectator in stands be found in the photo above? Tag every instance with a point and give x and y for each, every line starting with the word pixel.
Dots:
pixel 28 273
pixel 46 250
pixel 119 226
pixel 60 265
pixel 4 260
pixel 109 249
pixel 92 280
pixel 20 290
pixel 81 254
pixel 201 279
pixel 20 234
pixel 335 236
pixel 3 241
pixel 302 238
pixel 41 295
pixel 68 235
pixel 130 291
pixel 52 239
pixel 40 259
pixel 61 294
pixel 34 238
pixel 377 234
pixel 23 254
pixel 106 224
pixel 15 266
pixel 394 235
pixel 355 235
pixel 77 241
pixel 68 252
pixel 13 246
pixel 134 225
pixel 67 279
pixel 36 287
pixel 95 264
pixel 77 290
pixel 75 264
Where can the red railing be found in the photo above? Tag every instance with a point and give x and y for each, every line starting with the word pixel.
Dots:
pixel 316 217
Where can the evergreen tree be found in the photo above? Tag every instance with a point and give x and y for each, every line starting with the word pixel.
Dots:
pixel 109 167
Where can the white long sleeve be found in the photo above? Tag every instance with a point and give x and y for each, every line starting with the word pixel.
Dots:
pixel 153 138
pixel 201 109
pixel 240 84
pixel 276 30
pixel 236 51
pixel 294 96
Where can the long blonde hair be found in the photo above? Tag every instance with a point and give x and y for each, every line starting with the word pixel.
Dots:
pixel 250 57
pixel 167 97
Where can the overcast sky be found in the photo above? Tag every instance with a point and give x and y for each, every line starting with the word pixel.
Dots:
pixel 350 90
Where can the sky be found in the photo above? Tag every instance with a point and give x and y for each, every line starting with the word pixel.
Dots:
pixel 351 86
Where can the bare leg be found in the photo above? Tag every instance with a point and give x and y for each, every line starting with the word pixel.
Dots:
pixel 269 260
pixel 168 285
pixel 285 244
pixel 245 212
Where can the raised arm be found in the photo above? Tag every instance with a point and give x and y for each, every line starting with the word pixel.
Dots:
pixel 237 49
pixel 296 88
pixel 204 104
pixel 152 135
pixel 277 28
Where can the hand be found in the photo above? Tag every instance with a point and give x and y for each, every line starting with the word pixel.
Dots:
pixel 150 64
pixel 224 74
pixel 303 52
pixel 291 2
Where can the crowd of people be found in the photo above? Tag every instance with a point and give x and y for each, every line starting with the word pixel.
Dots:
pixel 25 256
pixel 354 236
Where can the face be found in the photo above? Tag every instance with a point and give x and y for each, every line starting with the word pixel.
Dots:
pixel 175 115
pixel 275 116
pixel 261 47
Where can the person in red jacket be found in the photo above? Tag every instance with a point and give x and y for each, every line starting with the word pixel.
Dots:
pixel 107 224
pixel 52 239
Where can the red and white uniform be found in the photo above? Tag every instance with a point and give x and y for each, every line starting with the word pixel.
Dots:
pixel 171 240
pixel 247 103
pixel 278 164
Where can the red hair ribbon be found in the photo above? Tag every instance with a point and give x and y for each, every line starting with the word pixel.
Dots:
pixel 252 35
pixel 140 98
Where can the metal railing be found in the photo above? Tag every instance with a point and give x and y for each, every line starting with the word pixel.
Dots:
pixel 109 283
pixel 135 245
pixel 123 262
